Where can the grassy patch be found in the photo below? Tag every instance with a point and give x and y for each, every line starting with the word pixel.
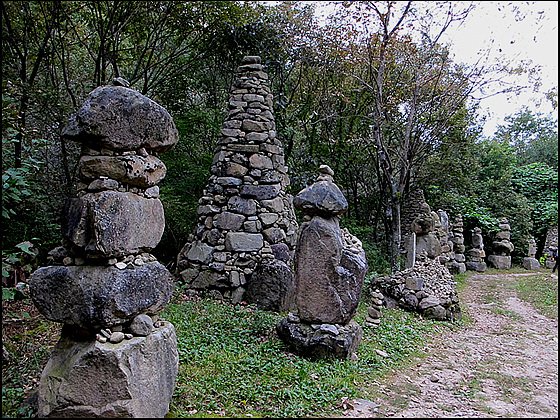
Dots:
pixel 232 363
pixel 541 291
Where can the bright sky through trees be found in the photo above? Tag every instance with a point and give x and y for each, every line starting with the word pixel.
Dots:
pixel 523 33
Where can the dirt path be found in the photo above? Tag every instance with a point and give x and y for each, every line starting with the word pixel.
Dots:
pixel 503 364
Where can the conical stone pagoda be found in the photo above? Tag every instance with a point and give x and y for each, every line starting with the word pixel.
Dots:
pixel 246 228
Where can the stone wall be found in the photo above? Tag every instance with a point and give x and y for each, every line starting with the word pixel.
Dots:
pixel 245 216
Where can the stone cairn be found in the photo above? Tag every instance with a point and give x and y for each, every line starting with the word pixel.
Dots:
pixel 330 267
pixel 550 244
pixel 427 288
pixel 502 247
pixel 476 253
pixel 530 262
pixel 373 318
pixel 425 231
pixel 247 226
pixel 115 358
pixel 457 265
pixel 447 256
pixel 424 238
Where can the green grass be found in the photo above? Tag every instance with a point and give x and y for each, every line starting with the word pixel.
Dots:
pixel 232 363
pixel 541 291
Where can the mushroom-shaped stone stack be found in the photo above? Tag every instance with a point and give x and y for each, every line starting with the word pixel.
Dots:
pixel 330 266
pixel 476 253
pixel 502 247
pixel 105 286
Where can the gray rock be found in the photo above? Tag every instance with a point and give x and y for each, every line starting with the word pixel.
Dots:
pixel 140 171
pixel 134 378
pixel 200 252
pixel 326 291
pixel 229 221
pixel 113 224
pixel 116 337
pixel 142 325
pixel 281 252
pixel 244 206
pixel 437 312
pixel 317 344
pixel 96 297
pixel 500 262
pixel 476 266
pixel 272 287
pixel 243 242
pixel 428 243
pixel 323 198
pixel 429 302
pixel 531 263
pixel 260 192
pixel 119 118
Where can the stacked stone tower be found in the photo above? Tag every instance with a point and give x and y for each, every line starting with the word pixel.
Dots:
pixel 330 267
pixel 476 254
pixel 115 358
pixel 245 214
pixel 457 265
pixel 530 262
pixel 502 247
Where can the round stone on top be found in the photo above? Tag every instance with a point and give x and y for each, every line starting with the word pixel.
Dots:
pixel 119 118
pixel 323 197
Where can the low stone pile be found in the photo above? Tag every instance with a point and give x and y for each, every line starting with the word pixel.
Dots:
pixel 502 247
pixel 115 358
pixel 246 219
pixel 330 267
pixel 427 288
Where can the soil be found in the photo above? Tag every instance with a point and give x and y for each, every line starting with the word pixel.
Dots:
pixel 502 362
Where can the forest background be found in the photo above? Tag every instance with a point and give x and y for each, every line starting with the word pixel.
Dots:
pixel 370 91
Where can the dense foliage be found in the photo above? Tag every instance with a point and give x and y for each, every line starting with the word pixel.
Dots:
pixel 370 91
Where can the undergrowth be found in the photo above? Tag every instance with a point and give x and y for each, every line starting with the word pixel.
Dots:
pixel 233 364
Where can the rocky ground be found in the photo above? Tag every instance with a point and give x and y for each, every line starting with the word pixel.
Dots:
pixel 502 364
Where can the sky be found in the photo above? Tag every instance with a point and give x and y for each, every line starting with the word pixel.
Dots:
pixel 518 31
pixel 522 31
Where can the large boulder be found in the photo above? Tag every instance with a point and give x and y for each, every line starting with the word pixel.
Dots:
pixel 322 197
pixel 500 262
pixel 119 118
pixel 96 297
pixel 113 224
pixel 134 378
pixel 272 287
pixel 329 280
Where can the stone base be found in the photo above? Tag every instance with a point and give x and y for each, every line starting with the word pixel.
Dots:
pixel 476 266
pixel 455 267
pixel 134 378
pixel 531 264
pixel 320 341
pixel 549 263
pixel 500 262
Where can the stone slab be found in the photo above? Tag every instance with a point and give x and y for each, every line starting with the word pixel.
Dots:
pixel 134 378
pixel 99 296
